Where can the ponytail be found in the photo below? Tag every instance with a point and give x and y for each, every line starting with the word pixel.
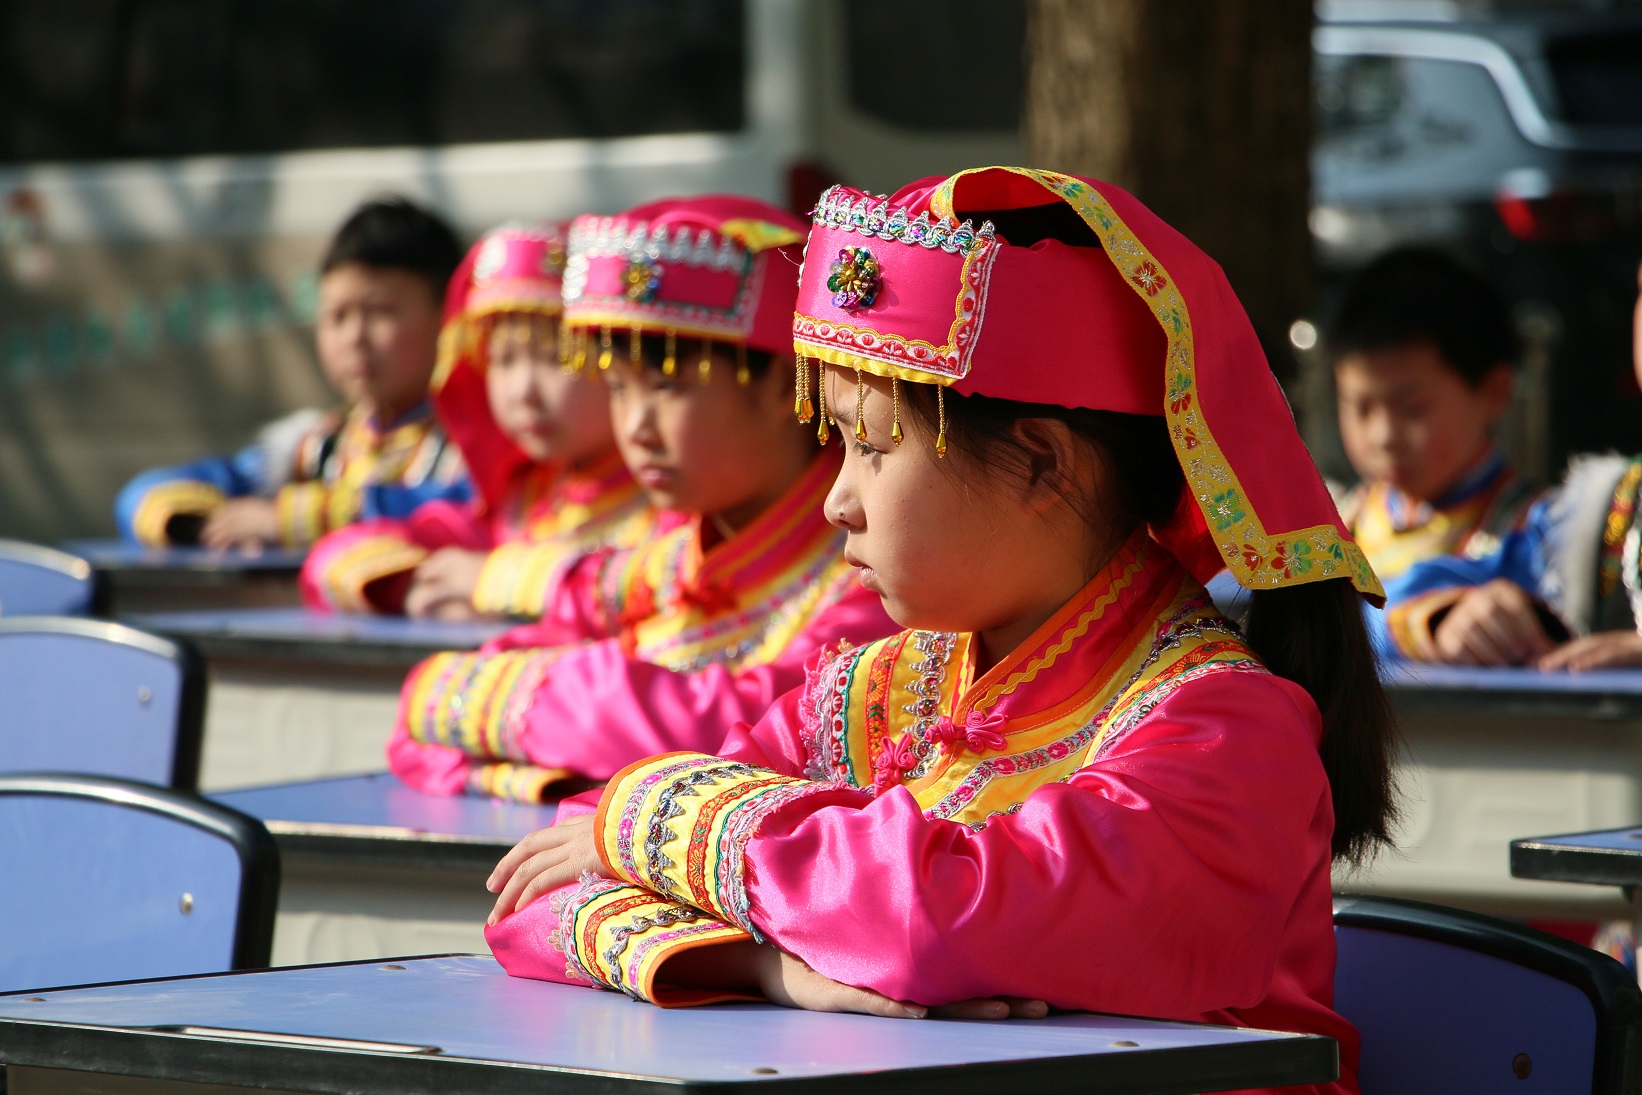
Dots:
pixel 1313 635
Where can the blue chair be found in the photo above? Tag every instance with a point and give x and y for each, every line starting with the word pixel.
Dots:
pixel 1456 1003
pixel 41 581
pixel 109 880
pixel 99 698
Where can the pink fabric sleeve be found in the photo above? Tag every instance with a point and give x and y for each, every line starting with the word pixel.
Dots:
pixel 346 568
pixel 1188 846
pixel 598 710
pixel 525 943
pixel 327 576
pixel 571 612
pixel 441 524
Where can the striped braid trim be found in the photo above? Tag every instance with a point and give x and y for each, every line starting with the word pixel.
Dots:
pixel 618 935
pixel 679 825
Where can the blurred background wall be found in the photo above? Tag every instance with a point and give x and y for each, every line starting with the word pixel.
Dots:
pixel 169 170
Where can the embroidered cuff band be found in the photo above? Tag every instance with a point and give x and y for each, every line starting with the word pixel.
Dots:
pixel 618 935
pixel 163 501
pixel 679 824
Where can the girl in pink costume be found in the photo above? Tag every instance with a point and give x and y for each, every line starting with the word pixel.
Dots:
pixel 683 307
pixel 1071 783
pixel 536 437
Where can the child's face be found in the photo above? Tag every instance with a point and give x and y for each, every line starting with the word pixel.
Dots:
pixel 719 447
pixel 1409 419
pixel 944 548
pixel 378 334
pixel 548 411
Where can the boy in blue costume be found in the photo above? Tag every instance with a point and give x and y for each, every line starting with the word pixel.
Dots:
pixel 381 290
pixel 1562 593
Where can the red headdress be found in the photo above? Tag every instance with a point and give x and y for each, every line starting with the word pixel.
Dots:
pixel 718 268
pixel 908 288
pixel 516 270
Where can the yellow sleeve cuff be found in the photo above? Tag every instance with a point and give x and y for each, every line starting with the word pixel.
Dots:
pixel 473 702
pixel 163 501
pixel 369 559
pixel 516 578
pixel 306 511
pixel 678 825
pixel 619 935
pixel 1412 623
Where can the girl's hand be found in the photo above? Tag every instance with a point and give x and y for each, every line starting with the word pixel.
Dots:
pixel 444 584
pixel 541 863
pixel 244 523
pixel 1492 624
pixel 790 982
pixel 1604 650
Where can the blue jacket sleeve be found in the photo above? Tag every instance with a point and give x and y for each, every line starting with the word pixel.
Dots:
pixel 230 476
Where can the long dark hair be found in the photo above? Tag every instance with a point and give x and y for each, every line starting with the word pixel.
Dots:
pixel 1311 634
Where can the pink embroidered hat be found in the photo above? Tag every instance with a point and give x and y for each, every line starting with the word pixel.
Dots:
pixel 513 271
pixel 922 287
pixel 717 268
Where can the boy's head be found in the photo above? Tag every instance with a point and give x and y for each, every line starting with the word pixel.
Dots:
pixel 381 291
pixel 1424 365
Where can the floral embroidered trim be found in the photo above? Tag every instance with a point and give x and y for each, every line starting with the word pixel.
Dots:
pixel 835 210
pixel 566 905
pixel 739 828
pixel 721 803
pixel 675 914
pixel 640 243
pixel 1621 516
pixel 823 711
pixel 650 943
pixel 937 648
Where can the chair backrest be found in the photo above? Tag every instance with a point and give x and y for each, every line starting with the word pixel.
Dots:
pixel 99 698
pixel 1452 1002
pixel 109 880
pixel 41 581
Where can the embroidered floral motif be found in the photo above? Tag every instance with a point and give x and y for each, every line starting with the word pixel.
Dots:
pixel 855 279
pixel 1227 509
pixel 1149 278
pixel 642 278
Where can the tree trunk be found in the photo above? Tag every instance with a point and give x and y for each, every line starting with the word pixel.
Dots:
pixel 1200 108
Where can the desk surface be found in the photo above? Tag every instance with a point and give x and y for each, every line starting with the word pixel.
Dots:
pixel 120 558
pixel 1602 694
pixel 377 819
pixel 298 634
pixel 457 1024
pixel 1611 857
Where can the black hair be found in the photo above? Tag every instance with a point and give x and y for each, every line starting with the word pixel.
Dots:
pixel 1311 634
pixel 394 233
pixel 1420 294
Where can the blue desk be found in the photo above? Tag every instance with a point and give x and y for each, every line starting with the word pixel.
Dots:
pixel 1609 857
pixel 139 579
pixel 371 868
pixel 1495 753
pixel 1612 694
pixel 457 1024
pixel 298 635
pixel 298 695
